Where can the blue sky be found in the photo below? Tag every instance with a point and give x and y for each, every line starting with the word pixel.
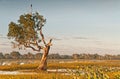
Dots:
pixel 84 25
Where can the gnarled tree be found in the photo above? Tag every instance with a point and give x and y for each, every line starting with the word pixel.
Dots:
pixel 27 33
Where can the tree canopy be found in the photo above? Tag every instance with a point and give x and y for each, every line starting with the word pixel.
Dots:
pixel 28 31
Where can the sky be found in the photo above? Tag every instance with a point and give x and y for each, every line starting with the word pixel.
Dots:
pixel 76 26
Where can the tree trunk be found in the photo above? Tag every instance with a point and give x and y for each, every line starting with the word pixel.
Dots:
pixel 43 62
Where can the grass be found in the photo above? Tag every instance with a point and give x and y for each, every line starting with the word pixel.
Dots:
pixel 66 65
pixel 107 69
pixel 36 76
pixel 113 75
pixel 73 65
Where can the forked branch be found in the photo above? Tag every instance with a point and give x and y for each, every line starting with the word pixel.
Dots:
pixel 49 43
pixel 28 46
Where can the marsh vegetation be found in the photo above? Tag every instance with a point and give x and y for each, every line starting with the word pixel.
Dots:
pixel 64 69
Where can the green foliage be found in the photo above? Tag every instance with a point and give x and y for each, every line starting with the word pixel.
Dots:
pixel 26 30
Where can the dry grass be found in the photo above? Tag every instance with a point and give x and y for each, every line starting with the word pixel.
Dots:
pixel 36 76
pixel 66 65
pixel 108 67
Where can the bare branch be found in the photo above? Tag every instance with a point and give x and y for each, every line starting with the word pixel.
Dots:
pixel 43 39
pixel 49 43
pixel 28 46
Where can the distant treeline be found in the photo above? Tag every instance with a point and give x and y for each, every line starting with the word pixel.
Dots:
pixel 17 55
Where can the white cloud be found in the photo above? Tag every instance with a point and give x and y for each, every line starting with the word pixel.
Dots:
pixel 70 45
pixel 78 37
pixel 0 35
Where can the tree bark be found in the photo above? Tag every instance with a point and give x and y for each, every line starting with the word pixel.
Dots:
pixel 43 62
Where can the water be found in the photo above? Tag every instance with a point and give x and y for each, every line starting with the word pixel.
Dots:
pixel 64 71
pixel 20 72
pixel 15 72
pixel 57 70
pixel 9 72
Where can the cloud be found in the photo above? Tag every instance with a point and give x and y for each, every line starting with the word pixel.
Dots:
pixel 78 37
pixel 4 44
pixel 69 38
pixel 54 38
pixel 1 36
pixel 57 39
